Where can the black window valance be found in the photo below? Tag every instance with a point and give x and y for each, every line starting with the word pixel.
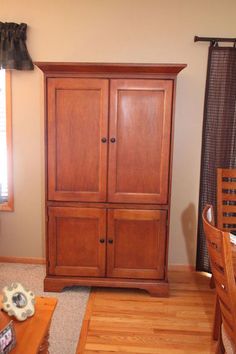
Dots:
pixel 13 50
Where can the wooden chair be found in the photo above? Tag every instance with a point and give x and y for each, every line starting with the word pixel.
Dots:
pixel 220 254
pixel 226 199
pixel 226 202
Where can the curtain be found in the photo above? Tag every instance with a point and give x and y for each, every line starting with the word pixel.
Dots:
pixel 218 135
pixel 13 50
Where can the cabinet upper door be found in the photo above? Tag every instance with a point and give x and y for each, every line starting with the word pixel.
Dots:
pixel 140 135
pixel 77 132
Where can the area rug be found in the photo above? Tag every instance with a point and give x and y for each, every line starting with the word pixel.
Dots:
pixel 69 313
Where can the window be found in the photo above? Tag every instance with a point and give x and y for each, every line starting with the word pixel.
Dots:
pixel 6 186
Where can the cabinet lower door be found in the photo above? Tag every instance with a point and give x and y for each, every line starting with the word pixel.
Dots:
pixel 77 241
pixel 136 243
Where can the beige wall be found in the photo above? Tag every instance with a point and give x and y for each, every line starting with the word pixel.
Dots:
pixel 155 31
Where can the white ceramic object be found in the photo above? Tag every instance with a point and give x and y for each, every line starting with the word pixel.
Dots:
pixel 18 301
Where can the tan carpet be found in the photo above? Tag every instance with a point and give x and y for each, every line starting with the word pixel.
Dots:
pixel 67 318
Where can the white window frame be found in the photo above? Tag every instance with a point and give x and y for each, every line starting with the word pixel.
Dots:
pixel 8 205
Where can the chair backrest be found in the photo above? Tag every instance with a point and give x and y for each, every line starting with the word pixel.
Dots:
pixel 220 255
pixel 226 199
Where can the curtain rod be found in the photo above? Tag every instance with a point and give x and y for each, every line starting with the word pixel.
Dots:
pixel 213 39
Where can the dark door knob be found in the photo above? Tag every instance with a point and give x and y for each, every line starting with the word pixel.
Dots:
pixel 104 140
pixel 112 140
pixel 110 241
pixel 102 240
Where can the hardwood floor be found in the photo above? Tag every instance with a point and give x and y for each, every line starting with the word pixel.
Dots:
pixel 131 321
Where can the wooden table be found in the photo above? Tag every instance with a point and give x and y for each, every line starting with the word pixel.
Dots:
pixel 33 333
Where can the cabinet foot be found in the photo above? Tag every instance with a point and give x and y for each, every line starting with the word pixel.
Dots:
pixel 55 286
pixel 158 291
pixel 154 288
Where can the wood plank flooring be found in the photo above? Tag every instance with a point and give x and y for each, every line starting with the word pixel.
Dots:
pixel 131 321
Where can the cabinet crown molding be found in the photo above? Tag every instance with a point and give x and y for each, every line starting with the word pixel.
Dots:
pixel 106 68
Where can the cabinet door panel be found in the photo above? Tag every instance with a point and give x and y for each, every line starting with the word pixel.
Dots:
pixel 74 236
pixel 77 121
pixel 140 122
pixel 136 244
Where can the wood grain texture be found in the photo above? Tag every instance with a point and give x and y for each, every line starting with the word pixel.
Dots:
pixel 32 334
pixel 220 255
pixel 226 199
pixel 130 254
pixel 77 123
pixel 129 321
pixel 109 68
pixel 75 246
pixel 109 132
pixel 111 244
pixel 140 123
pixel 159 288
pixel 109 205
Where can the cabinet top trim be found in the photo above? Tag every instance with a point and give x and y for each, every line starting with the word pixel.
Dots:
pixel 109 68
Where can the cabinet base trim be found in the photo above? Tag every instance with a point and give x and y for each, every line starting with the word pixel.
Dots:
pixel 154 288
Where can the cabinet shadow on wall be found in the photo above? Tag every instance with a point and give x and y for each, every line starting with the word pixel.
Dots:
pixel 189 225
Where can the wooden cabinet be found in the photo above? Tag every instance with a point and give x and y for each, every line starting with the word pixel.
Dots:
pixel 109 131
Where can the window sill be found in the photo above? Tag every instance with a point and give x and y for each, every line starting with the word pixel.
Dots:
pixel 7 206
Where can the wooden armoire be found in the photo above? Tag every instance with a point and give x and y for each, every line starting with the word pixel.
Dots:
pixel 108 134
